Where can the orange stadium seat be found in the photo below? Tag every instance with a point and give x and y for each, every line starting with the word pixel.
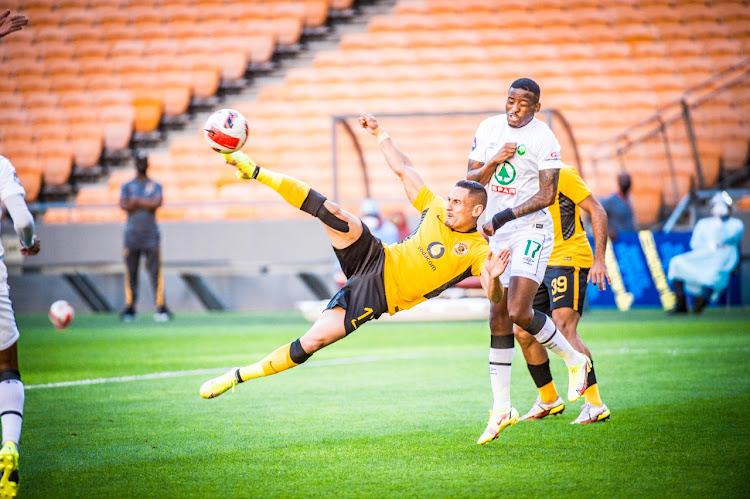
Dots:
pixel 149 105
pixel 31 180
pixel 57 158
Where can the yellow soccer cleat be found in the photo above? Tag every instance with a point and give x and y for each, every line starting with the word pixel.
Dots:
pixel 246 167
pixel 541 410
pixel 215 387
pixel 578 378
pixel 9 463
pixel 499 420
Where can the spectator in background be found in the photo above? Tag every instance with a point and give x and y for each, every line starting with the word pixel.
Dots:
pixel 9 24
pixel 380 227
pixel 618 208
pixel 140 198
pixel 714 253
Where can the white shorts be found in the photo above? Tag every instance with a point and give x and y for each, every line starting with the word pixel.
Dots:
pixel 8 329
pixel 530 248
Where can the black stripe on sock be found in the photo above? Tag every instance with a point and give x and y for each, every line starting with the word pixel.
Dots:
pixel 591 375
pixel 499 363
pixel 502 341
pixel 238 377
pixel 540 373
pixel 11 412
pixel 548 339
pixel 537 322
pixel 7 374
pixel 297 353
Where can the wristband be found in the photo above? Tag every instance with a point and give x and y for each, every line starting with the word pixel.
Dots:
pixel 381 134
pixel 502 217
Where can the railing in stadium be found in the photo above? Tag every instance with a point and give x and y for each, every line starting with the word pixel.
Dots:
pixel 671 127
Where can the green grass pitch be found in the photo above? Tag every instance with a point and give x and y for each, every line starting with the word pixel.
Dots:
pixel 392 411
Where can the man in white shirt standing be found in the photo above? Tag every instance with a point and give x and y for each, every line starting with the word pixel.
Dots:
pixel 11 388
pixel 518 158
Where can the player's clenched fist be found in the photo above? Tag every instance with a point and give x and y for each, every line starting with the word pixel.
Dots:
pixel 368 122
pixel 505 153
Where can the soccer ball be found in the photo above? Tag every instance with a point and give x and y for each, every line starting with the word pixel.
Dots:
pixel 61 314
pixel 226 131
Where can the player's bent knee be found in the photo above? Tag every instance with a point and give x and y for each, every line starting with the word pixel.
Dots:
pixel 7 374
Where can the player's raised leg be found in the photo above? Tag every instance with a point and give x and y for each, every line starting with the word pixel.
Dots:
pixel 328 329
pixel 541 326
pixel 343 228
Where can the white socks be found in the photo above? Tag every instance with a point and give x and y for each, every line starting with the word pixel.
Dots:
pixel 11 409
pixel 500 361
pixel 550 337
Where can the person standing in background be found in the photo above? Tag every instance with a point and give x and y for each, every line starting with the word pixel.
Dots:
pixel 619 209
pixel 140 198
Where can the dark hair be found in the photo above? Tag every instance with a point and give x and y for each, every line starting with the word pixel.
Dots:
pixel 141 160
pixel 477 193
pixel 529 85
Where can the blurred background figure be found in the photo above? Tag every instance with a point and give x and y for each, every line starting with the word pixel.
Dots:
pixel 140 198
pixel 619 209
pixel 380 227
pixel 705 270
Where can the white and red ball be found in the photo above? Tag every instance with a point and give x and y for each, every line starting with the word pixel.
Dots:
pixel 226 131
pixel 61 314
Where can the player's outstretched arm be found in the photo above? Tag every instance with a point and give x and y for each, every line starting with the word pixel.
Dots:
pixel 490 276
pixel 397 160
pixel 598 273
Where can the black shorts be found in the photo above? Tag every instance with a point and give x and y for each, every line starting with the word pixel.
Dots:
pixel 363 295
pixel 563 287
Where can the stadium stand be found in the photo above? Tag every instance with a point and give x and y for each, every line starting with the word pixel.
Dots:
pixel 605 65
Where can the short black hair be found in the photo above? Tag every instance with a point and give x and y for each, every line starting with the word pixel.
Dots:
pixel 477 192
pixel 141 159
pixel 529 85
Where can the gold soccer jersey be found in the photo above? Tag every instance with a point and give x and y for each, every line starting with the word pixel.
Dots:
pixel 432 259
pixel 572 248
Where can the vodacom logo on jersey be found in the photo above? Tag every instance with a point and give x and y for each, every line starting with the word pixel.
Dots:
pixel 505 174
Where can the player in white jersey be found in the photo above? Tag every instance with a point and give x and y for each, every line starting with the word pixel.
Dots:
pixel 11 388
pixel 518 158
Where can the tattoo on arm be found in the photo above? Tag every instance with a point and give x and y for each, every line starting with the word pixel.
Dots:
pixel 544 197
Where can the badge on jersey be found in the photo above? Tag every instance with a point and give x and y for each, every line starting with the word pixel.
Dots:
pixel 521 149
pixel 505 174
pixel 474 145
pixel 460 248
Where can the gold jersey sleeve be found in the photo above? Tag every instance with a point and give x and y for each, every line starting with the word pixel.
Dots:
pixel 432 259
pixel 572 248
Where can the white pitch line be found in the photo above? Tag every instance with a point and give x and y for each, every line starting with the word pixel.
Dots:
pixel 373 358
pixel 194 372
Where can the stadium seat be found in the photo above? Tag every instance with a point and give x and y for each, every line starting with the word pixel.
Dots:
pixel 57 158
pixel 31 180
pixel 149 105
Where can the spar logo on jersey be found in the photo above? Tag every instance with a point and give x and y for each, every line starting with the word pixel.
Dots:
pixel 505 175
